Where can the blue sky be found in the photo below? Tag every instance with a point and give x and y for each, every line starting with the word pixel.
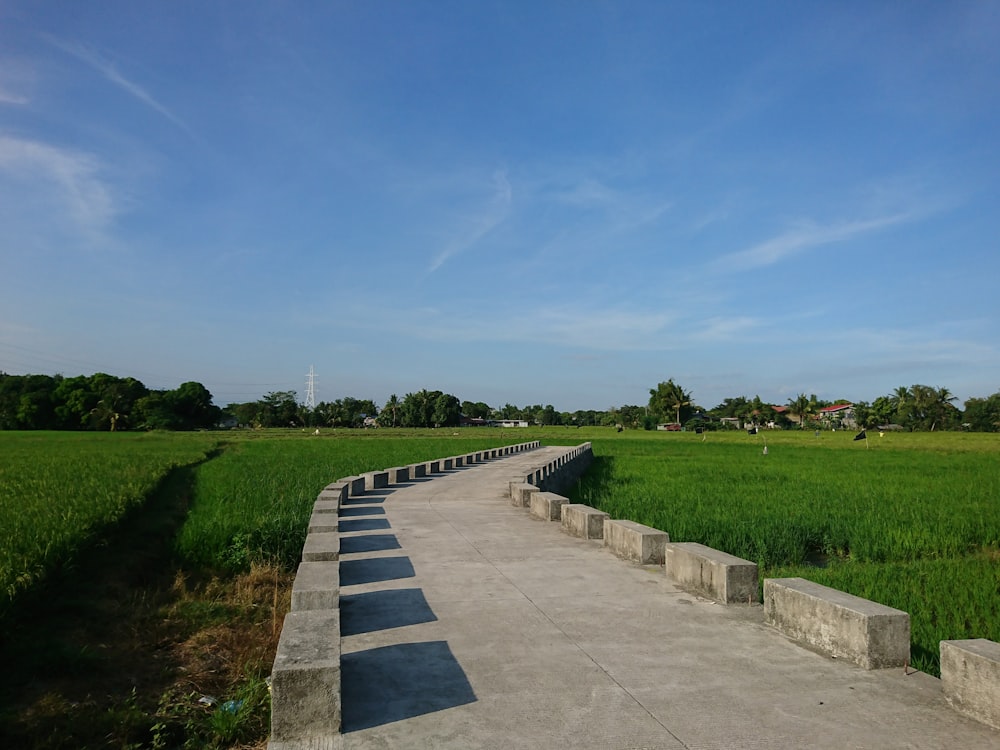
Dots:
pixel 524 202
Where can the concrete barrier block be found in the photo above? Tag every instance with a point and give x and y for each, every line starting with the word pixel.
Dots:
pixel 633 541
pixel 547 505
pixel 399 474
pixel 583 521
pixel 717 575
pixel 870 634
pixel 418 470
pixel 433 467
pixel 457 462
pixel 376 480
pixel 322 522
pixel 520 494
pixel 355 485
pixel 970 678
pixel 321 547
pixel 316 586
pixel 326 506
pixel 447 464
pixel 305 678
pixel 336 492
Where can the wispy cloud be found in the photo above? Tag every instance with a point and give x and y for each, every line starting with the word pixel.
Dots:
pixel 804 237
pixel 111 73
pixel 80 189
pixel 480 224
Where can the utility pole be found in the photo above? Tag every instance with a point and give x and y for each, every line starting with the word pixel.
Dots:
pixel 311 389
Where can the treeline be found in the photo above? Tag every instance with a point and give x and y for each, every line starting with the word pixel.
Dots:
pixel 107 402
pixel 101 402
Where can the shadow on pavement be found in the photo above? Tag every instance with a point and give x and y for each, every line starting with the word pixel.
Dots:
pixel 362 524
pixel 361 510
pixel 353 572
pixel 391 683
pixel 382 610
pixel 368 543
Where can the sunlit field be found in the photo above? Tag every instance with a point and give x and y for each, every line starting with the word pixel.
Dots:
pixel 909 520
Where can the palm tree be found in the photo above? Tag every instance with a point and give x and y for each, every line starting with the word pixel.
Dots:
pixel 670 396
pixel 392 405
pixel 802 406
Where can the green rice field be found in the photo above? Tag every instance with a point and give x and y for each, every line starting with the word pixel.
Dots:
pixel 909 520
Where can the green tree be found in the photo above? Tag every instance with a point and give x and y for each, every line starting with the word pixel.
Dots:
pixel 670 399
pixel 803 407
pixel 390 412
pixel 983 414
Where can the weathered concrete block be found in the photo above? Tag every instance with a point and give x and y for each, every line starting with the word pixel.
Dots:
pixel 447 464
pixel 376 480
pixel 326 506
pixel 316 586
pixel 633 541
pixel 305 678
pixel 458 462
pixel 970 678
pixel 583 521
pixel 336 492
pixel 418 470
pixel 870 634
pixel 717 575
pixel 355 485
pixel 520 494
pixel 547 505
pixel 322 522
pixel 399 474
pixel 433 467
pixel 321 547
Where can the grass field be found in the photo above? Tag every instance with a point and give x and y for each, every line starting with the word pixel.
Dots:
pixel 910 520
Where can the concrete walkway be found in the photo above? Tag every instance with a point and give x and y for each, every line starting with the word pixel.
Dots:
pixel 467 624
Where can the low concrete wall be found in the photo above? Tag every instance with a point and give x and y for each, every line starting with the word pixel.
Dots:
pixel 320 523
pixel 305 679
pixel 316 586
pixel 583 521
pixel 547 505
pixel 376 480
pixel 520 494
pixel 717 575
pixel 399 474
pixel 970 678
pixel 418 471
pixel 870 634
pixel 633 541
pixel 321 547
pixel 355 485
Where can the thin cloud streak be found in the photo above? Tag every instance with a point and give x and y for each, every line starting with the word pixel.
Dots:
pixel 804 238
pixel 491 217
pixel 110 72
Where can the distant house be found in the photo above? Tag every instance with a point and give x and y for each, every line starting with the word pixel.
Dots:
pixel 669 427
pixel 839 414
pixel 474 422
pixel 512 423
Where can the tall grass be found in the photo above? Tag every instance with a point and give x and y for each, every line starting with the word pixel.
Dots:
pixel 59 491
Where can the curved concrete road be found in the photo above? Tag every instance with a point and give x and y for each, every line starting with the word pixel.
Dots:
pixel 468 624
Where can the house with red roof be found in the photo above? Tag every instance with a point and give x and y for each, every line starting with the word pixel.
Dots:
pixel 838 415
